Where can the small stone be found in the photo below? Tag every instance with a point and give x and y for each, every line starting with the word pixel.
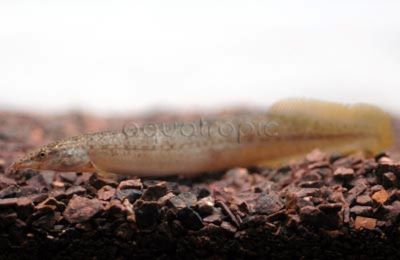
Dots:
pixel 69 176
pixel 385 160
pixel 344 173
pixel 293 220
pixel 376 188
pixel 320 165
pixel 365 223
pixel 190 219
pixel 202 191
pixel 380 196
pixel 244 207
pixel 176 202
pixel 310 184
pixel 365 211
pixel 25 207
pixel 305 192
pixel 355 191
pixel 37 181
pixel 215 218
pixel 130 194
pixel 81 209
pixel 393 211
pixel 42 209
pixel 310 215
pixel 46 221
pixel 115 207
pixel 205 206
pixel 189 198
pixel 364 200
pixel 5 182
pixel 58 194
pixel 228 227
pixel 311 176
pixel 164 199
pixel 8 202
pixel 29 190
pixel 131 184
pixel 154 192
pixel 37 198
pixel 106 192
pixel 75 190
pixel 147 214
pixel 99 182
pixel 389 179
pixel 58 184
pixel 277 216
pixel 84 178
pixel 330 207
pixel 52 201
pixel 304 201
pixel 268 203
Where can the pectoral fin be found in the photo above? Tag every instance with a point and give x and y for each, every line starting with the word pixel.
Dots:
pixel 104 174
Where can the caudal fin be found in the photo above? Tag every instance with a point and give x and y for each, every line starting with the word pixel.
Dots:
pixel 371 126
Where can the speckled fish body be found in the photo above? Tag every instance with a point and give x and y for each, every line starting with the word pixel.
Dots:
pixel 289 129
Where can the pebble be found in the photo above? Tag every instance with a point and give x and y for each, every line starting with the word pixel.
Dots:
pixel 380 196
pixel 268 203
pixel 389 180
pixel 106 192
pixel 69 176
pixel 364 200
pixel 364 223
pixel 344 173
pixel 131 184
pixel 75 190
pixel 60 206
pixel 130 194
pixel 205 206
pixel 190 218
pixel 5 182
pixel 81 209
pixel 147 214
pixel 310 215
pixel 154 192
pixel 176 202
pixel 228 227
pixel 365 211
pixel 188 198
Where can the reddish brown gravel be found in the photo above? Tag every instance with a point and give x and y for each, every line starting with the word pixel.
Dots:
pixel 322 207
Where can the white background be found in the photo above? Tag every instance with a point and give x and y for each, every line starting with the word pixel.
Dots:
pixel 124 56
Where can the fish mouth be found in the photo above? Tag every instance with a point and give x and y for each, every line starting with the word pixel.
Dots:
pixel 23 164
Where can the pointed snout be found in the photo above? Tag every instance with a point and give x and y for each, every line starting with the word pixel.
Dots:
pixel 23 164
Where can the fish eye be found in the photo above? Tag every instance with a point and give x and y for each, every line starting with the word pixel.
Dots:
pixel 42 155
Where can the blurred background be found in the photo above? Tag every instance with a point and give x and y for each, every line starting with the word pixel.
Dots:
pixel 131 56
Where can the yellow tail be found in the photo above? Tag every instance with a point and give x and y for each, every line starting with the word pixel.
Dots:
pixel 363 127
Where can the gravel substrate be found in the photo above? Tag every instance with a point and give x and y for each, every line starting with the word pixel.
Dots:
pixel 322 207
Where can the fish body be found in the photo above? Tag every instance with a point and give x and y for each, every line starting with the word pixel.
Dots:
pixel 289 129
